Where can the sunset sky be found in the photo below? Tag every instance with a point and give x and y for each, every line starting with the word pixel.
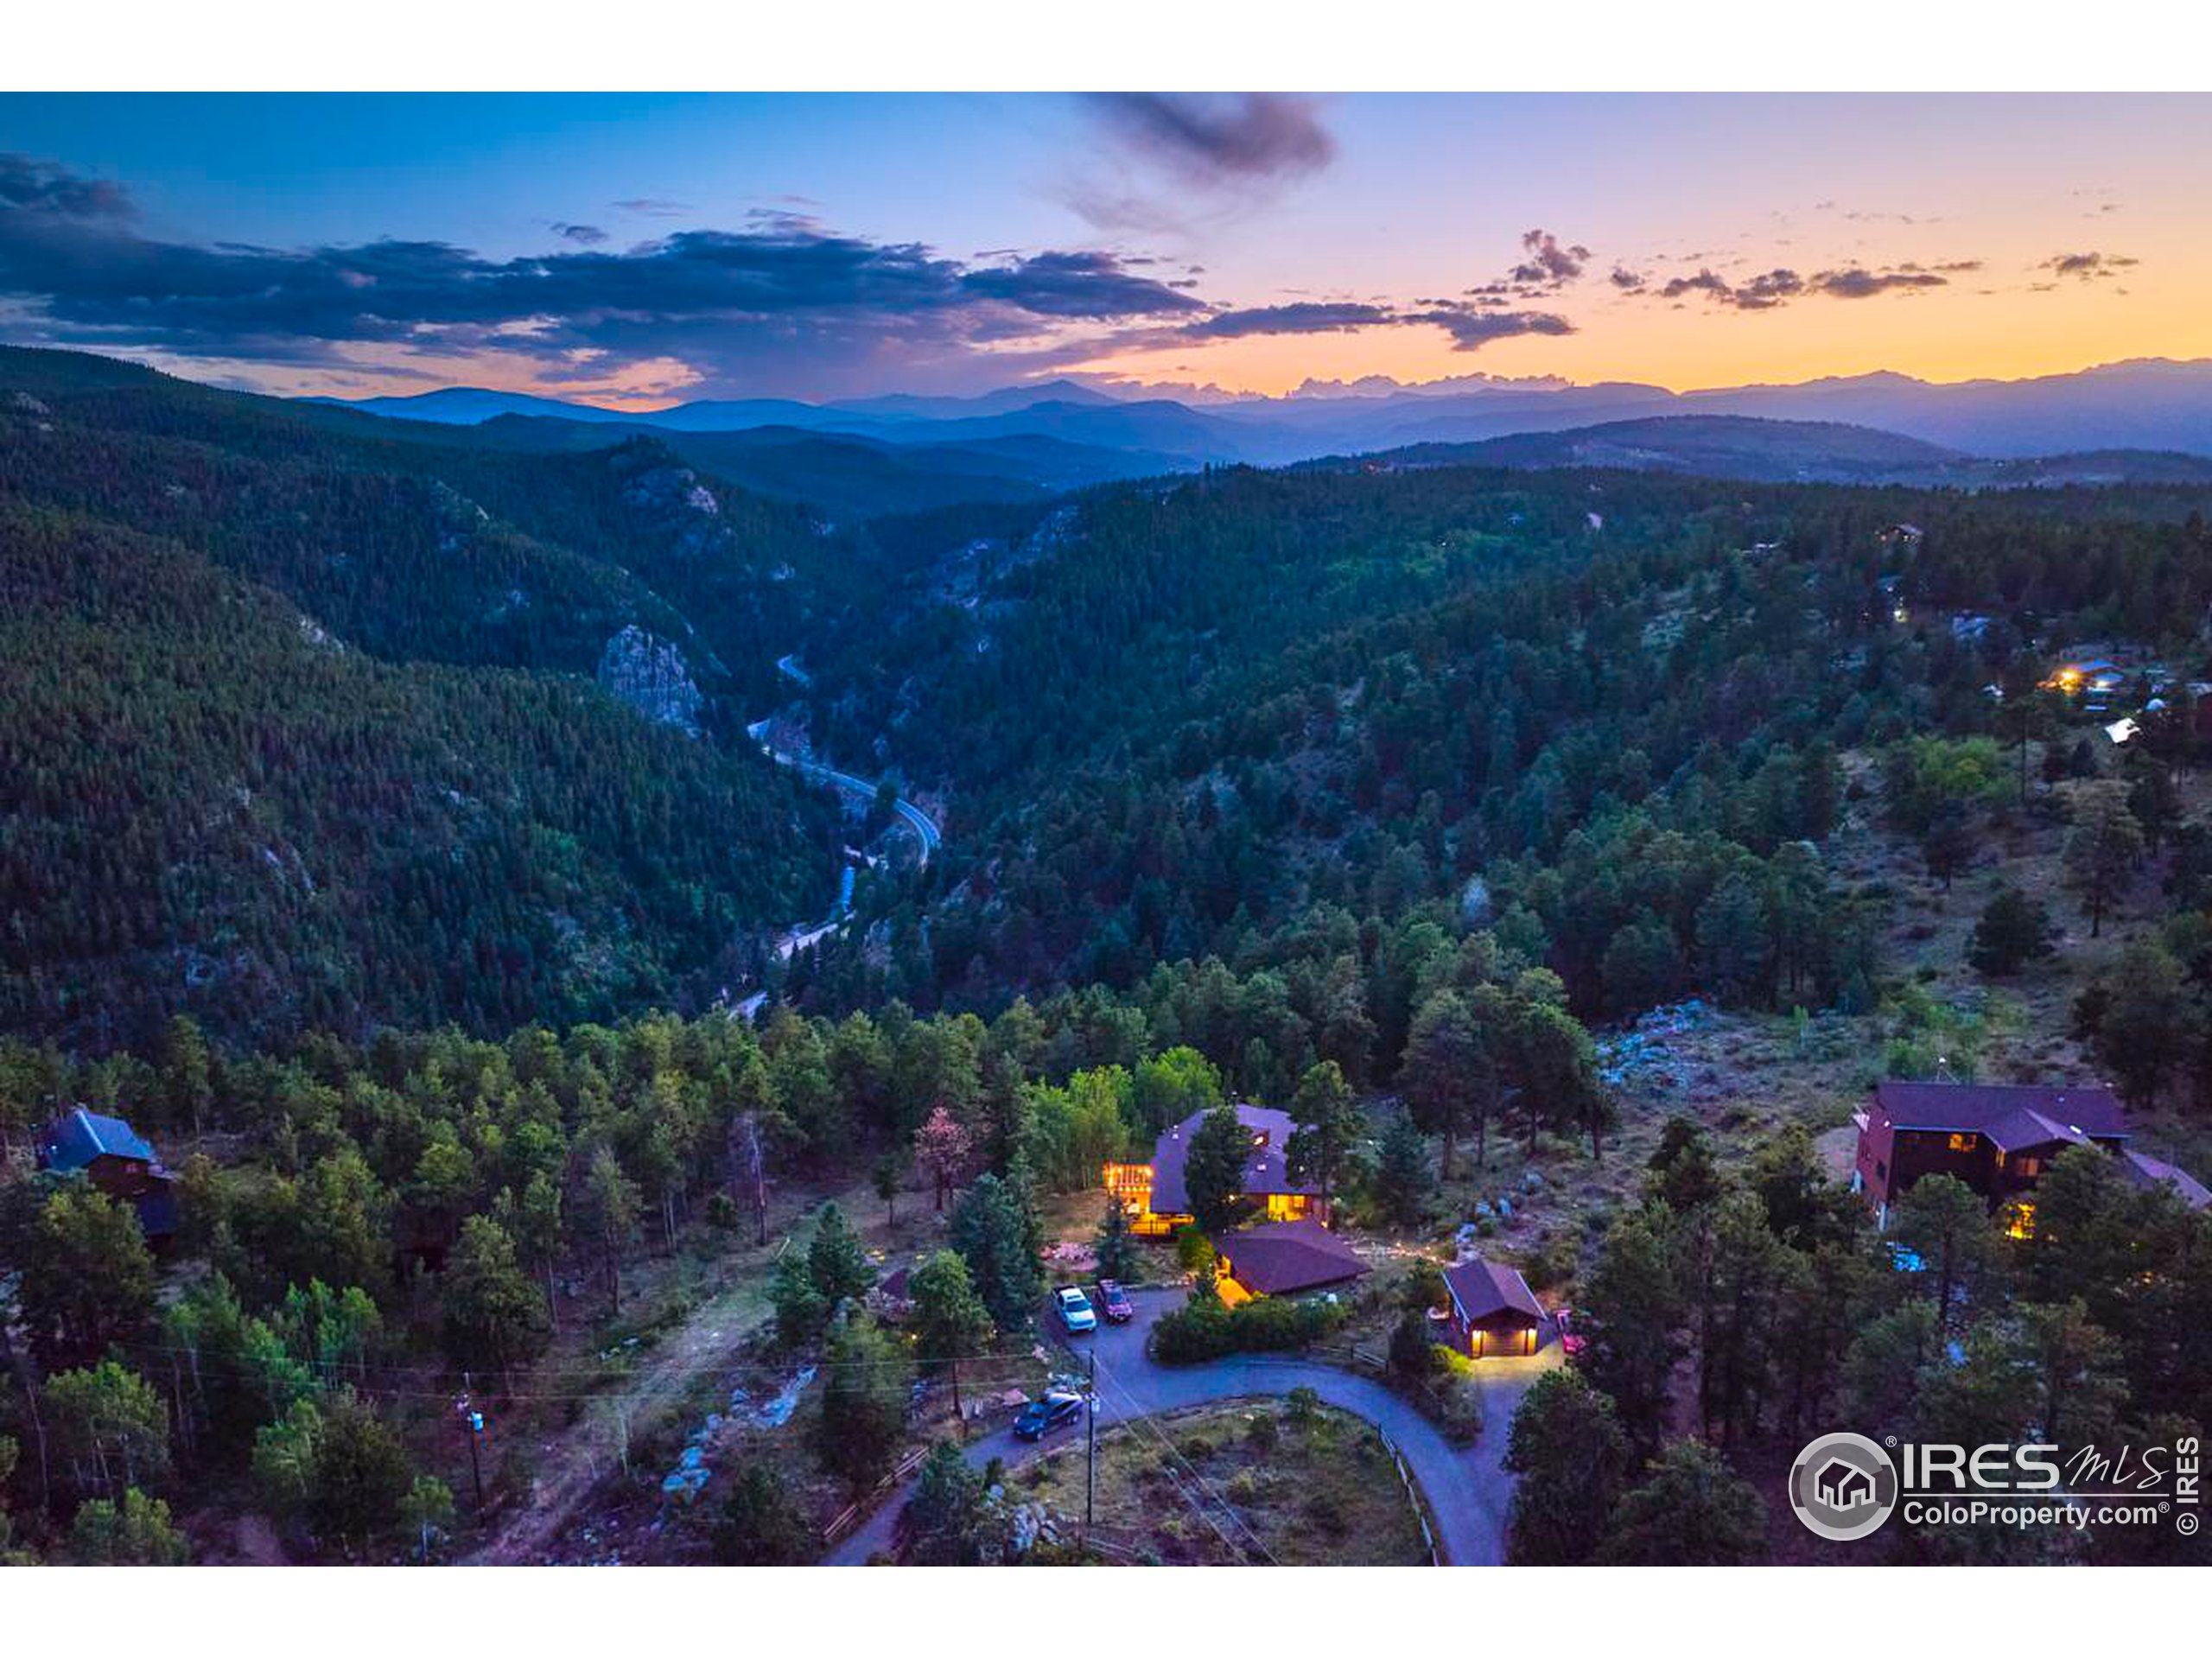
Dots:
pixel 644 250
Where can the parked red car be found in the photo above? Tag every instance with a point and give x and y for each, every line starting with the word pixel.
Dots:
pixel 1114 1302
pixel 1570 1343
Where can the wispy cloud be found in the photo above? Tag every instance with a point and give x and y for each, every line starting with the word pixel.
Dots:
pixel 2088 267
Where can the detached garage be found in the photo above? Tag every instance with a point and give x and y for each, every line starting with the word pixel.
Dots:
pixel 1493 1310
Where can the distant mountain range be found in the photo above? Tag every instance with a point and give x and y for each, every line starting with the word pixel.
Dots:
pixel 906 452
pixel 1792 452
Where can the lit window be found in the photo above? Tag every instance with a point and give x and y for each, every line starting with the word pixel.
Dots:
pixel 1962 1143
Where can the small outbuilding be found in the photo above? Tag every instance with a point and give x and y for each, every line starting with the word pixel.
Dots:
pixel 1493 1312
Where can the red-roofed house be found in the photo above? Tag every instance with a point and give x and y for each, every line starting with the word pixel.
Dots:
pixel 1997 1138
pixel 1492 1311
pixel 1158 1201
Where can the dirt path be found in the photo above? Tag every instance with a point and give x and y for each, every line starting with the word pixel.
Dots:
pixel 572 1462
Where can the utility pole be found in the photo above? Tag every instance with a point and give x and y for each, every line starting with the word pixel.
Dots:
pixel 1090 1452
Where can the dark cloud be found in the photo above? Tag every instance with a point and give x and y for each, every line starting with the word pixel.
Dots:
pixel 2088 267
pixel 1233 137
pixel 1549 265
pixel 31 186
pixel 652 207
pixel 779 300
pixel 1470 327
pixel 1304 317
pixel 1780 286
pixel 1171 160
pixel 1472 330
pixel 1626 280
pixel 1089 285
pixel 1859 284
pixel 588 236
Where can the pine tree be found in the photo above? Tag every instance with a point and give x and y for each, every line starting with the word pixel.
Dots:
pixel 1631 1309
pixel 611 1201
pixel 1213 1167
pixel 991 1233
pixel 2103 849
pixel 1404 1182
pixel 1115 1245
pixel 1567 1447
pixel 863 1399
pixel 1690 1509
pixel 1329 1128
pixel 2013 932
pixel 836 1261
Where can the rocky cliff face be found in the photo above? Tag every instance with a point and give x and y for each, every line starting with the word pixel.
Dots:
pixel 648 672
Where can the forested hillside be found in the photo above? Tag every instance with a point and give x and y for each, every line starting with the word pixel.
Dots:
pixel 1194 719
pixel 456 551
pixel 306 732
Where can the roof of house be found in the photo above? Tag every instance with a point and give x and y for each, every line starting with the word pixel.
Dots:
pixel 1480 1289
pixel 2014 1116
pixel 1288 1256
pixel 1266 1170
pixel 72 1141
pixel 2146 1171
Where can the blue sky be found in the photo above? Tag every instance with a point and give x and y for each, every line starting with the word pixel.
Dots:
pixel 818 245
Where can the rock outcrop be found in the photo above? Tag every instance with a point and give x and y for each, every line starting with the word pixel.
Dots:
pixel 649 673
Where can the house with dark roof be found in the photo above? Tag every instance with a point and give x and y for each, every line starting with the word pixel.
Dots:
pixel 117 1161
pixel 1159 1202
pixel 1491 1311
pixel 1997 1138
pixel 1283 1258
pixel 2141 1170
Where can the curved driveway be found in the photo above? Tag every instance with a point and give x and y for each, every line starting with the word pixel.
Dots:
pixel 1467 1491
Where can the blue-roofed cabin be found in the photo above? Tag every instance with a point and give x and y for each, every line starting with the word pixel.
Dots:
pixel 116 1159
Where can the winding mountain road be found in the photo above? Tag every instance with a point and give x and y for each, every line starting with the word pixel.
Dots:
pixel 1467 1487
pixel 924 826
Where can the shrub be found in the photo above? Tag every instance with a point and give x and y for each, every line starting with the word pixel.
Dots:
pixel 1205 1330
pixel 1194 1250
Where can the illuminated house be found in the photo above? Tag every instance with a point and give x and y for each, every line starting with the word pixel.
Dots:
pixel 1154 1193
pixel 1493 1314
pixel 1281 1259
pixel 1997 1138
